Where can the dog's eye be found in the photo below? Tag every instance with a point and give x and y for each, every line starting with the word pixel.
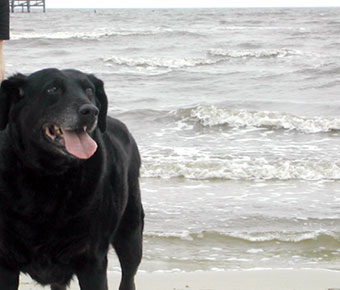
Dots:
pixel 52 90
pixel 89 92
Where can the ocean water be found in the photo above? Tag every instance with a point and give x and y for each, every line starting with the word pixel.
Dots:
pixel 237 117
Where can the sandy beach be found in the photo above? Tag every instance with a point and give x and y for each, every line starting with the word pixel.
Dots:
pixel 229 280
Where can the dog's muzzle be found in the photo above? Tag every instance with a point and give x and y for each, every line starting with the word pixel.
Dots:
pixel 75 139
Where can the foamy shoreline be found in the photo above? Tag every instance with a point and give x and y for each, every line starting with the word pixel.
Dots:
pixel 310 279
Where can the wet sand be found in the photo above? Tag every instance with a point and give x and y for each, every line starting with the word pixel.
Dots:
pixel 229 280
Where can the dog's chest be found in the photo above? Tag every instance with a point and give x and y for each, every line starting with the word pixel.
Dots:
pixel 46 271
pixel 60 240
pixel 50 228
pixel 43 199
pixel 51 252
pixel 53 265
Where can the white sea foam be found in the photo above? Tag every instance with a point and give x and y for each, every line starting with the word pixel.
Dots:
pixel 255 251
pixel 155 62
pixel 256 53
pixel 238 168
pixel 292 237
pixel 212 116
pixel 214 56
pixel 260 237
pixel 258 28
pixel 97 34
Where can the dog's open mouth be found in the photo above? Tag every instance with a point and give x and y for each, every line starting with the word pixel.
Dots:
pixel 75 142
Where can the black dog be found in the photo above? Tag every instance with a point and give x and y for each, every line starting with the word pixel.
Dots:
pixel 68 183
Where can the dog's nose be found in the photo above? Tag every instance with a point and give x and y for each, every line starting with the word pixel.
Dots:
pixel 88 110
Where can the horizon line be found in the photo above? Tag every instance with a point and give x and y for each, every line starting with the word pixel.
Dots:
pixel 190 7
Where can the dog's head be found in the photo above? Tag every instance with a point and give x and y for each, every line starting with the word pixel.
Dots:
pixel 54 111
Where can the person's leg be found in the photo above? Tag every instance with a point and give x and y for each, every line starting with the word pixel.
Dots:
pixel 2 62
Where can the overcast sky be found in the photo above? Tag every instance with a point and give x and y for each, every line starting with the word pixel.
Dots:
pixel 187 3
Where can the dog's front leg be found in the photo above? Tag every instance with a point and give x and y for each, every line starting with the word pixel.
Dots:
pixel 9 279
pixel 92 276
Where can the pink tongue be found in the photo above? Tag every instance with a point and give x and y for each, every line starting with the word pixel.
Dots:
pixel 79 144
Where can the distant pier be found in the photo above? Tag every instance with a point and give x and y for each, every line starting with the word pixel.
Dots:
pixel 26 5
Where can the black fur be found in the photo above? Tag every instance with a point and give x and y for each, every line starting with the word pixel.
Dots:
pixel 59 214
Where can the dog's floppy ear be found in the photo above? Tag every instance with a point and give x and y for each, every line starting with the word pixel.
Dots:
pixel 11 90
pixel 102 100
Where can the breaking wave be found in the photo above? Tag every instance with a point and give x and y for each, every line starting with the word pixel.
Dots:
pixel 214 56
pixel 239 169
pixel 176 63
pixel 257 53
pixel 98 34
pixel 195 164
pixel 210 116
pixel 78 35
pixel 321 236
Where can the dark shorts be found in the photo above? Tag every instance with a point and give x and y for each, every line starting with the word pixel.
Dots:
pixel 4 19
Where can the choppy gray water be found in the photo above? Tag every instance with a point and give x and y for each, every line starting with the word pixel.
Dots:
pixel 237 116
